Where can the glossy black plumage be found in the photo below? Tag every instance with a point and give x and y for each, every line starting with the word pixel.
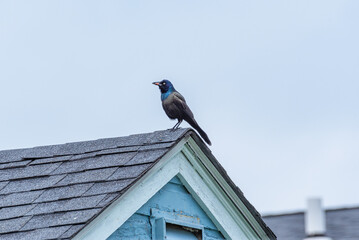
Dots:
pixel 175 106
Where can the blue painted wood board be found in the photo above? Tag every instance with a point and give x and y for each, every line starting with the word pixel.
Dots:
pixel 174 199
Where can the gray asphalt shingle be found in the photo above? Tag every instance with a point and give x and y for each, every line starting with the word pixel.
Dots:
pixel 17 211
pixel 63 192
pixel 109 197
pixel 11 156
pixel 108 187
pixel 25 172
pixel 13 225
pixel 3 184
pixel 341 224
pixel 50 160
pixel 49 233
pixel 87 176
pixel 72 231
pixel 290 227
pixel 108 161
pixel 155 146
pixel 51 192
pixel 14 164
pixel 146 156
pixel 30 184
pixel 57 219
pixel 15 199
pixel 118 150
pixel 38 234
pixel 129 171
pixel 66 205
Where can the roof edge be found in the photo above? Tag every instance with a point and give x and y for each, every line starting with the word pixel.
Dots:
pixel 205 149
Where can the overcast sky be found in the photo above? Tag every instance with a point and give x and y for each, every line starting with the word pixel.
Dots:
pixel 275 84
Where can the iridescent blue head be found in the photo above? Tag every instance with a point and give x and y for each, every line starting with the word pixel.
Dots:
pixel 166 88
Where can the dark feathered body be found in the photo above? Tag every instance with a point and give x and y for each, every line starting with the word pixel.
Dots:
pixel 175 107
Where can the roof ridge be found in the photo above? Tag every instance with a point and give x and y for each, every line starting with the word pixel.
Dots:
pixel 91 146
pixel 330 209
pixel 94 140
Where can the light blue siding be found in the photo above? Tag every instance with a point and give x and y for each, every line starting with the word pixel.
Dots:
pixel 175 200
pixel 137 227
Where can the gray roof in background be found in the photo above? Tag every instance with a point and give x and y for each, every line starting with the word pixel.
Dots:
pixel 342 224
pixel 51 192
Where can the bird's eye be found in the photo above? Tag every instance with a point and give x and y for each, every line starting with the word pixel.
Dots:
pixel 164 83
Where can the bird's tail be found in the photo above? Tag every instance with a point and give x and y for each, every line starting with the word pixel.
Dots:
pixel 195 125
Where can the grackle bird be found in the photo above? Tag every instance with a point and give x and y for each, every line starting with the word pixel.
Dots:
pixel 176 107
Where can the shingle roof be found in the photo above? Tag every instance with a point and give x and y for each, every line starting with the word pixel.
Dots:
pixel 342 224
pixel 52 192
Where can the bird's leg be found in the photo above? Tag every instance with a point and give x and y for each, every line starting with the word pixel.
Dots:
pixel 177 124
pixel 174 127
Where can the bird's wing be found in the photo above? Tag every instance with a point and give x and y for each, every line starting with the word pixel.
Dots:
pixel 180 102
pixel 179 96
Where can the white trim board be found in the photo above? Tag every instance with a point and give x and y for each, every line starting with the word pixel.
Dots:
pixel 199 182
pixel 219 185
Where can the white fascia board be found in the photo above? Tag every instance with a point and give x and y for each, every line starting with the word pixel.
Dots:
pixel 199 182
pixel 222 190
pixel 211 203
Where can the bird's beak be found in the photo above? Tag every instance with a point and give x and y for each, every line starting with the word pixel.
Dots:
pixel 156 83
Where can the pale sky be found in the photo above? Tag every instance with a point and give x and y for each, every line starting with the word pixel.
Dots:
pixel 273 83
